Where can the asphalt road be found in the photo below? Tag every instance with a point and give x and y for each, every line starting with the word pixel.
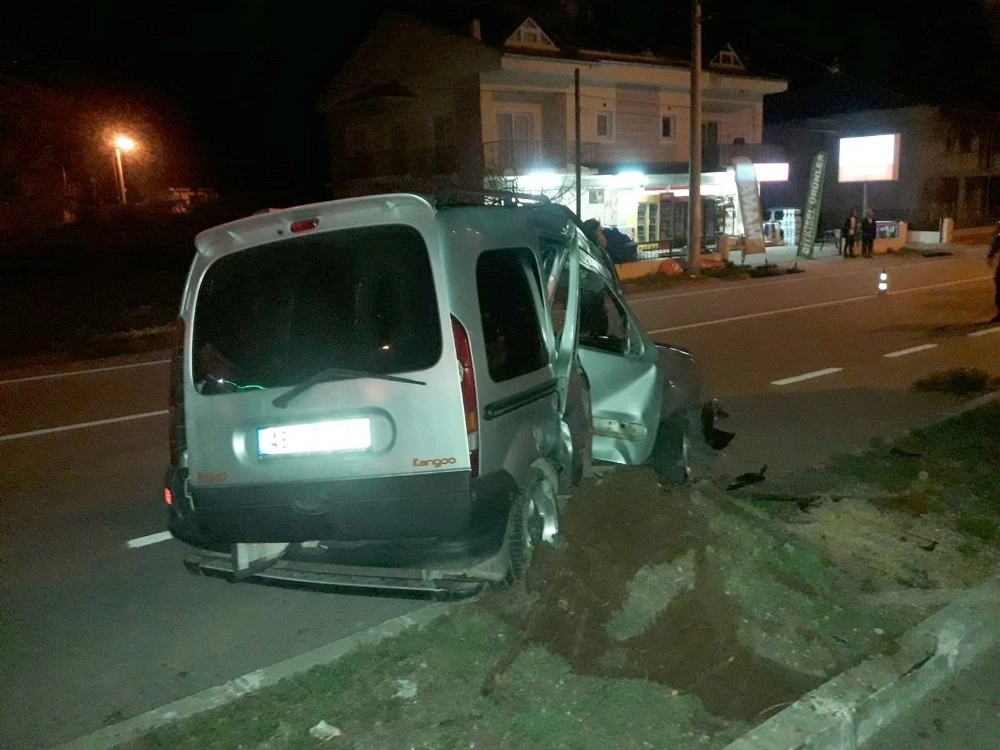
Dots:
pixel 94 630
pixel 813 363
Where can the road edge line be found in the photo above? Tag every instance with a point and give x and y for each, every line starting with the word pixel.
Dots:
pixel 213 697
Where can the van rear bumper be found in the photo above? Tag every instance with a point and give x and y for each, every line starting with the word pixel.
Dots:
pixel 447 513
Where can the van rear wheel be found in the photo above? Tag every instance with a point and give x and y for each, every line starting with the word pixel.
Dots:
pixel 532 522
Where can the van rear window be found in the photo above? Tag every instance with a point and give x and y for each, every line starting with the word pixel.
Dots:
pixel 273 315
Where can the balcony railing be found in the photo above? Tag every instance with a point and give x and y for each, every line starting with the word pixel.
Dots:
pixel 519 157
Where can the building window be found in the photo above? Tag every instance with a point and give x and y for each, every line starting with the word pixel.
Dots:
pixel 515 126
pixel 517 148
pixel 605 125
pixel 595 195
pixel 668 127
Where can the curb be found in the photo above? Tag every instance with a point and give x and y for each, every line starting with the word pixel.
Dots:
pixel 213 697
pixel 975 403
pixel 848 710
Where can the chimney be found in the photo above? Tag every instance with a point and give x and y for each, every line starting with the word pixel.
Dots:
pixel 477 31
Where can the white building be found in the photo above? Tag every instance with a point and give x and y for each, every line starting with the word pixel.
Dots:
pixel 420 108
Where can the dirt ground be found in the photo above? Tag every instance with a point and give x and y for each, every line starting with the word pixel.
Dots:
pixel 746 598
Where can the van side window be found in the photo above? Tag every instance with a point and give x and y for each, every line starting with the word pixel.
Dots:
pixel 509 310
pixel 560 299
pixel 603 322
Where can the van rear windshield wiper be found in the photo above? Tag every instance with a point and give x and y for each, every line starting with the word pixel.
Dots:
pixel 337 373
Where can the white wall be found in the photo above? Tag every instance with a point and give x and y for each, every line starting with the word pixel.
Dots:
pixel 638 95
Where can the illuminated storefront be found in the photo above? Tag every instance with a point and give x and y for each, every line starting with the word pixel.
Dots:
pixel 652 209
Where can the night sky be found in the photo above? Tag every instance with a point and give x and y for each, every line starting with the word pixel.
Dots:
pixel 236 83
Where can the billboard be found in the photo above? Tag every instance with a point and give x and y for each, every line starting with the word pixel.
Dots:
pixel 871 158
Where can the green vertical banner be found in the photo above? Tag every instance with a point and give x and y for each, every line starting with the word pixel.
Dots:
pixel 814 197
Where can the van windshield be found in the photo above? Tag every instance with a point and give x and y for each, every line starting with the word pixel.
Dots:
pixel 274 315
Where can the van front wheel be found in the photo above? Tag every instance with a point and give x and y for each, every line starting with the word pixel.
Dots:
pixel 671 456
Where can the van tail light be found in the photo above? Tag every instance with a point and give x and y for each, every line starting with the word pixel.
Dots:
pixel 303 225
pixel 178 435
pixel 470 403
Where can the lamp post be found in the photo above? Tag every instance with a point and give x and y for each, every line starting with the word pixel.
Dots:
pixel 126 144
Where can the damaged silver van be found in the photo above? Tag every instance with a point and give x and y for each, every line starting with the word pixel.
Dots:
pixel 392 391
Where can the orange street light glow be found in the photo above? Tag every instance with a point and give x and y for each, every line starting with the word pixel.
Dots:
pixel 124 143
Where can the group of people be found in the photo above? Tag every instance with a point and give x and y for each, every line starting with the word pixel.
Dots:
pixel 854 231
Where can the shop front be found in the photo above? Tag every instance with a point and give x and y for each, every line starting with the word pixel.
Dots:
pixel 651 209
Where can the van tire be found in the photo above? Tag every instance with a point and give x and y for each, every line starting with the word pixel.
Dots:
pixel 518 552
pixel 524 535
pixel 671 457
pixel 583 450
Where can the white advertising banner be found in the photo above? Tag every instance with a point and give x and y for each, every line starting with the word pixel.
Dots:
pixel 750 208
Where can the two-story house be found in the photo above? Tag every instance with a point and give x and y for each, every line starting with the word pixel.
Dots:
pixel 418 107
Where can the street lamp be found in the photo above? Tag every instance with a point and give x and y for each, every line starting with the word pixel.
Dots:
pixel 126 144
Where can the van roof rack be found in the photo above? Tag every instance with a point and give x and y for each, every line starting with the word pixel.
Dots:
pixel 467 197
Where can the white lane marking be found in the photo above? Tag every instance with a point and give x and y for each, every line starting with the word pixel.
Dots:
pixel 813 306
pixel 145 541
pixel 70 373
pixel 985 331
pixel 911 350
pixel 807 376
pixel 83 425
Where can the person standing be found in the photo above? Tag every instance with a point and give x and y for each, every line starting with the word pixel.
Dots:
pixel 995 253
pixel 868 232
pixel 848 234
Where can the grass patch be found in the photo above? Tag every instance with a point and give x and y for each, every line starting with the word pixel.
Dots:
pixel 981 528
pixel 538 702
pixel 960 381
pixel 954 463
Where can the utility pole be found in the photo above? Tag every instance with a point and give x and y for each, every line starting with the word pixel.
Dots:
pixel 576 117
pixel 694 183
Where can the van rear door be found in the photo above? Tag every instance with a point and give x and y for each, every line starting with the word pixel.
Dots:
pixel 326 354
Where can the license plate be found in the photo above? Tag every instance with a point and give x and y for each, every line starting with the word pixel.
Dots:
pixel 315 437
